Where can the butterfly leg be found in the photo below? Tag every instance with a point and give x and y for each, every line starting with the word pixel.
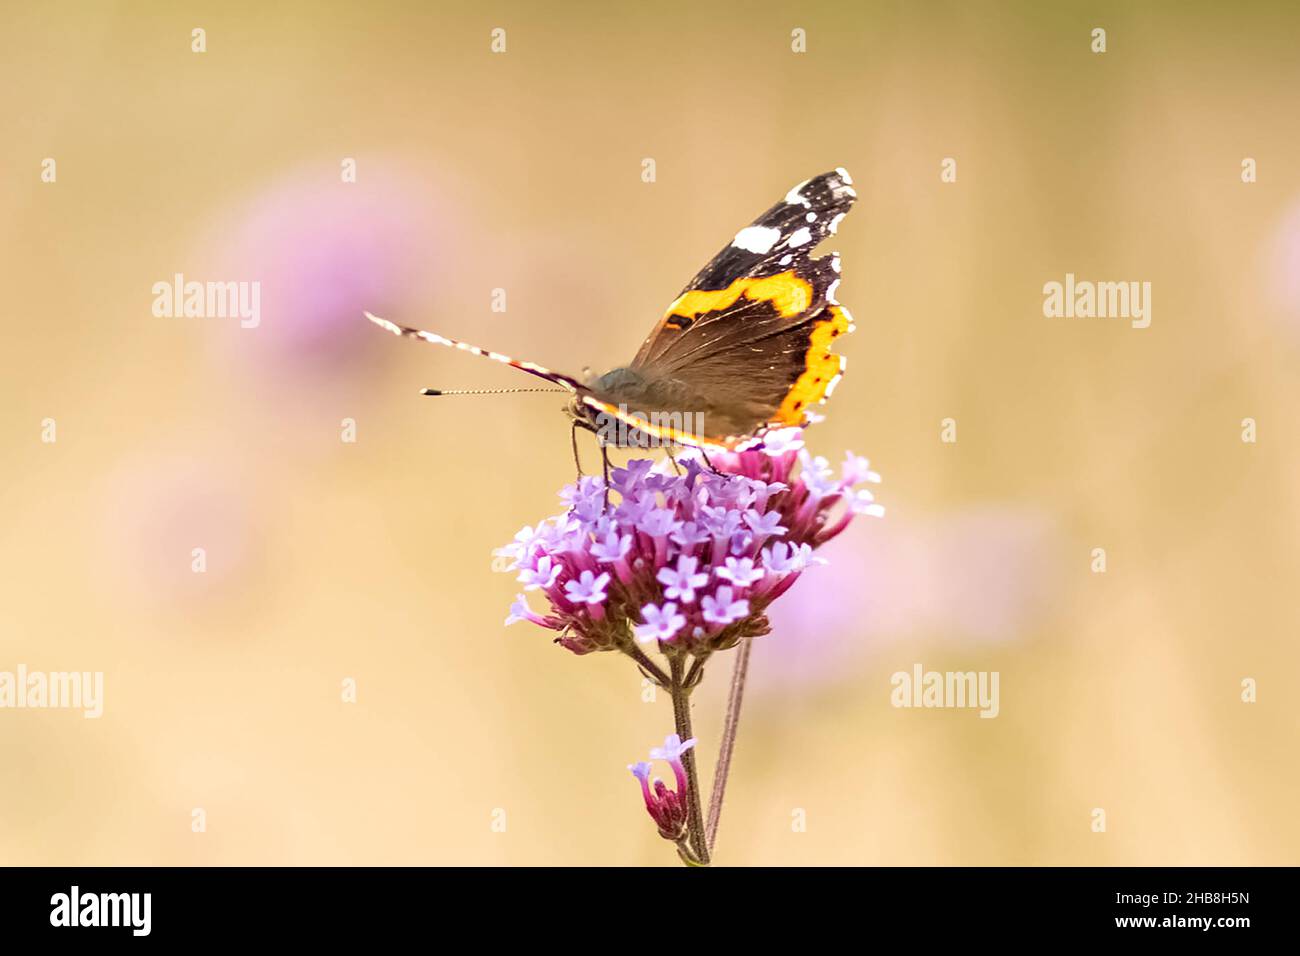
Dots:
pixel 573 438
pixel 604 454
pixel 708 464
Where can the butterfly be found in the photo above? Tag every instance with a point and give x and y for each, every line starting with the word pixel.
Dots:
pixel 744 348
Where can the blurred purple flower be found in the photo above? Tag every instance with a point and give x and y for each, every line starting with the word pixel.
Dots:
pixel 982 575
pixel 324 251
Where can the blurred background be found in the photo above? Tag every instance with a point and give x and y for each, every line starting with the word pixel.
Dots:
pixel 329 560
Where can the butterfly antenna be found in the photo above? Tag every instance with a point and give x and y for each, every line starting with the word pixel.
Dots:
pixel 487 391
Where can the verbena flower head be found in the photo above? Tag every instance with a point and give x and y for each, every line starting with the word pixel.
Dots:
pixel 690 560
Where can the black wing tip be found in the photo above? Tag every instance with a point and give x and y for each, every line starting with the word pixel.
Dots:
pixel 836 184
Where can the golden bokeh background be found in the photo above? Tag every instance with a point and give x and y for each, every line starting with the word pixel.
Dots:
pixel 371 561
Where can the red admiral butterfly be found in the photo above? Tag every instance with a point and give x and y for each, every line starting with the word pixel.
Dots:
pixel 745 347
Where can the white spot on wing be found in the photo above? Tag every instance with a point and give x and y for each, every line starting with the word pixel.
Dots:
pixel 795 197
pixel 758 239
pixel 830 386
pixel 844 175
pixel 800 237
pixel 787 259
pixel 835 223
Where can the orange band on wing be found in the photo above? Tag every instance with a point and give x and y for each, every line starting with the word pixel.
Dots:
pixel 823 368
pixel 789 295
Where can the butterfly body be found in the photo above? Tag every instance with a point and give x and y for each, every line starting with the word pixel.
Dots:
pixel 744 348
pixel 653 402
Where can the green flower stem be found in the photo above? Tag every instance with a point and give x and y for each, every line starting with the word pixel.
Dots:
pixel 682 716
pixel 648 667
pixel 728 746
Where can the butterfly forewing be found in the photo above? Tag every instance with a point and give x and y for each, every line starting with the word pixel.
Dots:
pixel 748 340
pixel 785 234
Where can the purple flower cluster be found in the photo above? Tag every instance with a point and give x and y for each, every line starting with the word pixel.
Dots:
pixel 690 560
